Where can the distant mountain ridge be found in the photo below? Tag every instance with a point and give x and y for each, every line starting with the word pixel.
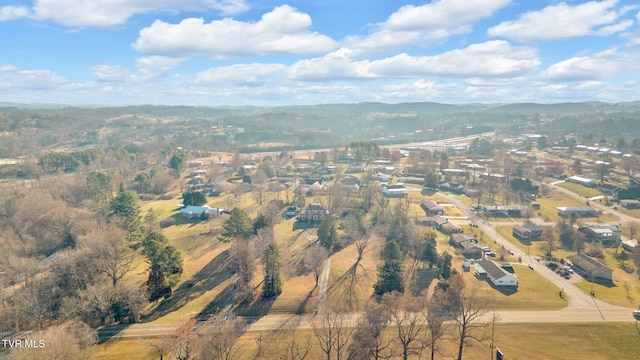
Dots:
pixel 408 107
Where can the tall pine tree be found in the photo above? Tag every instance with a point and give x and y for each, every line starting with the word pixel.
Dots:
pixel 272 284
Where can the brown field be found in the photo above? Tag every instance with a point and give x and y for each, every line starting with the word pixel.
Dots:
pixel 516 341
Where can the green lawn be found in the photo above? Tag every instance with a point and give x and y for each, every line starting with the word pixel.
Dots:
pixel 581 190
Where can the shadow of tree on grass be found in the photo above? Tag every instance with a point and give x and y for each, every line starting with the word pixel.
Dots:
pixel 213 274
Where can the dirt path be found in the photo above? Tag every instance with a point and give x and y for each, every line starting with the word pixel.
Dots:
pixel 322 292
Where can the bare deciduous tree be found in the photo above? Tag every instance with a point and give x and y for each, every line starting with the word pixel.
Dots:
pixel 468 307
pixel 296 348
pixel 71 341
pixel 185 340
pixel 219 336
pixel 406 316
pixel 333 333
pixel 313 260
pixel 367 339
pixel 113 255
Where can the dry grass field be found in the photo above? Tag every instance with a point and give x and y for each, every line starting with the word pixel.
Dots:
pixel 516 341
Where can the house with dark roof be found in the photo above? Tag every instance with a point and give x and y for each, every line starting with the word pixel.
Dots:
pixel 431 208
pixel 313 213
pixel 496 275
pixel 449 228
pixel 590 268
pixel 468 244
pixel 528 231
pixel 505 210
pixel 453 187
pixel 609 189
pixel 426 221
pixel 630 204
pixel 441 224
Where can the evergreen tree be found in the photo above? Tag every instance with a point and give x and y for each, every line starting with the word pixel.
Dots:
pixel 195 198
pixel 272 284
pixel 238 224
pixel 391 251
pixel 165 265
pixel 126 205
pixel 390 278
pixel 430 253
pixel 445 266
pixel 260 222
pixel 431 181
pixel 390 274
pixel 327 233
pixel 178 161
pixel 99 186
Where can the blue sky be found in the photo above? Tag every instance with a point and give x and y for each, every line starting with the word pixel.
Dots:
pixel 265 52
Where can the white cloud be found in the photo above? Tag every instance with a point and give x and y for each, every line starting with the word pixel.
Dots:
pixel 431 22
pixel 110 73
pixel 284 30
pixel 108 13
pixel 443 14
pixel 10 12
pixel 154 67
pixel 333 66
pixel 241 75
pixel 595 67
pixel 564 21
pixel 12 77
pixel 489 59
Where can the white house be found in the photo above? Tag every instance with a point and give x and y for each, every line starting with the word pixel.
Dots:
pixel 394 190
pixel 192 211
pixel 497 275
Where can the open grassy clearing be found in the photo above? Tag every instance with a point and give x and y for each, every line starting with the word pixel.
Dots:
pixel 631 212
pixel 581 190
pixel 534 292
pixel 134 349
pixel 548 205
pixel 350 286
pixel 204 283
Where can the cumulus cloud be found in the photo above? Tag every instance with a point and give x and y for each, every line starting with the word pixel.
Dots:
pixel 110 73
pixel 284 30
pixel 241 74
pixel 435 21
pixel 492 59
pixel 595 67
pixel 10 12
pixel 108 13
pixel 489 59
pixel 563 21
pixel 12 77
pixel 334 66
pixel 154 67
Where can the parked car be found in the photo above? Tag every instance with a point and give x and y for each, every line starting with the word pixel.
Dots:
pixel 486 249
pixel 636 314
pixel 491 253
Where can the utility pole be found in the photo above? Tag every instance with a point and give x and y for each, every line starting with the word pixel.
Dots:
pixel 493 332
